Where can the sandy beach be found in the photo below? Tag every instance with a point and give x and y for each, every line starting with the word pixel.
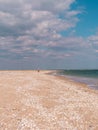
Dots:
pixel 31 100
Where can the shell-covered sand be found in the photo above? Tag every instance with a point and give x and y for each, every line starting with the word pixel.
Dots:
pixel 31 100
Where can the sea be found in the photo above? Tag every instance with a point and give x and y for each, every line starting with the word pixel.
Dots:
pixel 89 77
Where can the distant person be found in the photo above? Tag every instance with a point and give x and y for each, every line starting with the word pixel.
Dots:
pixel 38 70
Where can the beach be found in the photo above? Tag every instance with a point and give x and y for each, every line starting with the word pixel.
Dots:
pixel 32 100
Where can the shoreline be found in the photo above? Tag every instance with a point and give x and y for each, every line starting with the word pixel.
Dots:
pixel 77 83
pixel 40 101
pixel 88 81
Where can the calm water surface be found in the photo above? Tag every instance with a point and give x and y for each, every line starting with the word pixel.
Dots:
pixel 89 77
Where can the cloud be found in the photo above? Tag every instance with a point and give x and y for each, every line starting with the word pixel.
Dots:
pixel 32 30
pixel 38 18
pixel 93 41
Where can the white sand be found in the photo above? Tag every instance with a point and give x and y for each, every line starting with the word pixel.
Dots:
pixel 36 101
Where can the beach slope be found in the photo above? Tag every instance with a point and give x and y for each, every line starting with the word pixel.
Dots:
pixel 31 100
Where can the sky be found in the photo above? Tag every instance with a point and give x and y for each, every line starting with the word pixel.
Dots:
pixel 48 34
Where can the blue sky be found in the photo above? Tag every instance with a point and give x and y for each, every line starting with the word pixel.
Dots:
pixel 48 34
pixel 88 19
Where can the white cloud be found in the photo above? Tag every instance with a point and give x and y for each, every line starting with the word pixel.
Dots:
pixel 93 41
pixel 93 38
pixel 7 19
pixel 31 28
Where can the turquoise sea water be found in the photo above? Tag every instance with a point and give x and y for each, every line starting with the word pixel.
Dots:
pixel 89 77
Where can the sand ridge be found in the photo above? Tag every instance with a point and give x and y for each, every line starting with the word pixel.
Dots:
pixel 31 100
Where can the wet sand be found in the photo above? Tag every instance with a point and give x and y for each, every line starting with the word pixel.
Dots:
pixel 31 100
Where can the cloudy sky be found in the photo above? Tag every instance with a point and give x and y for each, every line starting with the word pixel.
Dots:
pixel 48 34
